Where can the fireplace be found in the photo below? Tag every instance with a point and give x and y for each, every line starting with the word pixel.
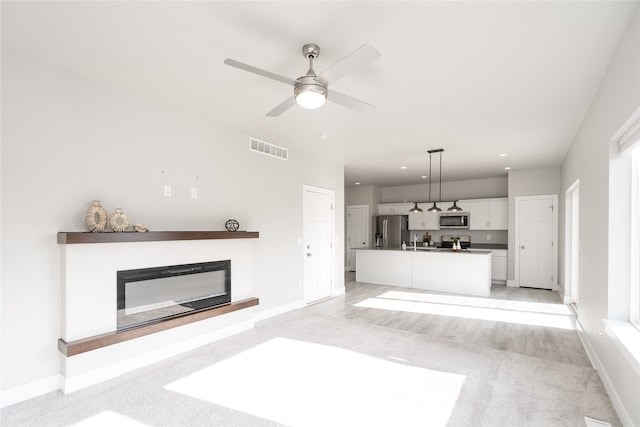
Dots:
pixel 151 295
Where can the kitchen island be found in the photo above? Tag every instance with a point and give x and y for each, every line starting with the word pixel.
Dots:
pixel 444 270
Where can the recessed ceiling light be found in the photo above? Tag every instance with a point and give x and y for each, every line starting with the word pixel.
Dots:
pixel 502 154
pixel 507 167
pixel 403 167
pixel 357 183
pixel 424 177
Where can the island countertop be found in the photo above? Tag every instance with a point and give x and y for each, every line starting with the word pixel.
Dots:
pixel 430 249
pixel 465 272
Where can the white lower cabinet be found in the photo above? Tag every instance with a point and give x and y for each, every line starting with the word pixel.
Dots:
pixel 499 266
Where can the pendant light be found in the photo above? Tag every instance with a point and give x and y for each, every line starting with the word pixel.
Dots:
pixel 415 208
pixel 455 207
pixel 435 207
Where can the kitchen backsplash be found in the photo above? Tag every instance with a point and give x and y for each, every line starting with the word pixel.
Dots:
pixel 495 236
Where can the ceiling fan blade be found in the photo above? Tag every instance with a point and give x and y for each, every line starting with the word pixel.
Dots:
pixel 288 103
pixel 259 71
pixel 349 102
pixel 356 59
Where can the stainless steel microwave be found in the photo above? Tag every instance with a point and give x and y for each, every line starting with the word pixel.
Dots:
pixel 454 219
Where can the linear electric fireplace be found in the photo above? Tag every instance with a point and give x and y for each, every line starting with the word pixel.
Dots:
pixel 150 295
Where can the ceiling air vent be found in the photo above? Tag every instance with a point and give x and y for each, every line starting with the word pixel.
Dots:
pixel 268 148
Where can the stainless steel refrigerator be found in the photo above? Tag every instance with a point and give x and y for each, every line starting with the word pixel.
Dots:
pixel 392 230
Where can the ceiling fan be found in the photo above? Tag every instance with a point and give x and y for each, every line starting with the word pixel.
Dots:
pixel 312 90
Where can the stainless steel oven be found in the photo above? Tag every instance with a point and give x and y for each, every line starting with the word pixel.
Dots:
pixel 454 220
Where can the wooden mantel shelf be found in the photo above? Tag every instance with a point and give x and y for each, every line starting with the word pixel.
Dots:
pixel 92 343
pixel 69 238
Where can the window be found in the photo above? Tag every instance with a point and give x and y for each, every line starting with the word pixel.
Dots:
pixel 628 140
pixel 635 238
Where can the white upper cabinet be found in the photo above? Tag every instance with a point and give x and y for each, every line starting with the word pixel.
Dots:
pixel 499 214
pixel 417 220
pixel 424 220
pixel 487 214
pixel 394 208
pixel 432 219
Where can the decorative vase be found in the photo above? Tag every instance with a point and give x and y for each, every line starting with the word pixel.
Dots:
pixel 118 221
pixel 96 217
pixel 231 225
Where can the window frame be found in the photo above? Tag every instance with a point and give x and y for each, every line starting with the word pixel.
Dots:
pixel 634 297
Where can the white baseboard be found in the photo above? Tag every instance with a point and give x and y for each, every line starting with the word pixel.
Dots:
pixel 276 311
pixel 566 300
pixel 79 382
pixel 30 390
pixel 512 284
pixel 591 354
pixel 339 291
pixel 624 416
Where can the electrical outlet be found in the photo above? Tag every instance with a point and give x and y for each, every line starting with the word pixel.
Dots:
pixel 488 236
pixel 194 193
pixel 167 191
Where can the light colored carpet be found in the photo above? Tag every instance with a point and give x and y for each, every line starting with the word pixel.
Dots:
pixel 301 383
pixel 336 363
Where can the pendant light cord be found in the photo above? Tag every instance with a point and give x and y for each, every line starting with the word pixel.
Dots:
pixel 429 177
pixel 440 191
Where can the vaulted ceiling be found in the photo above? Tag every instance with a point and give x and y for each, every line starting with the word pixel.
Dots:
pixel 475 78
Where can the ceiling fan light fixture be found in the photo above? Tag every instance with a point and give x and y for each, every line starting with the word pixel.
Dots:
pixel 310 99
pixel 310 93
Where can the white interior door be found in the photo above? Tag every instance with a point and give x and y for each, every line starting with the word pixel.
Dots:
pixel 536 241
pixel 357 232
pixel 317 243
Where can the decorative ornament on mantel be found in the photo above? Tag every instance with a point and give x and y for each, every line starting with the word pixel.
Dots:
pixel 231 225
pixel 141 228
pixel 119 221
pixel 96 217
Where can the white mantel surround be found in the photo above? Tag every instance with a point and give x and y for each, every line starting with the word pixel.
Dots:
pixel 90 300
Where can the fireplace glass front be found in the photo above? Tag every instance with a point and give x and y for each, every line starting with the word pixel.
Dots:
pixel 151 295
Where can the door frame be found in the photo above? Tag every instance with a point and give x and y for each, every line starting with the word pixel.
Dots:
pixel 347 230
pixel 554 237
pixel 332 258
pixel 572 245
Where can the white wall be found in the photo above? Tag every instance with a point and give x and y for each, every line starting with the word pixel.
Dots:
pixel 67 141
pixel 593 160
pixel 532 182
pixel 453 190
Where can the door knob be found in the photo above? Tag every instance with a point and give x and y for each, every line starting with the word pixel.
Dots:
pixel 522 247
pixel 308 253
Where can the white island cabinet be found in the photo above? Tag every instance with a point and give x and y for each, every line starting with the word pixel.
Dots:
pixel 464 272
